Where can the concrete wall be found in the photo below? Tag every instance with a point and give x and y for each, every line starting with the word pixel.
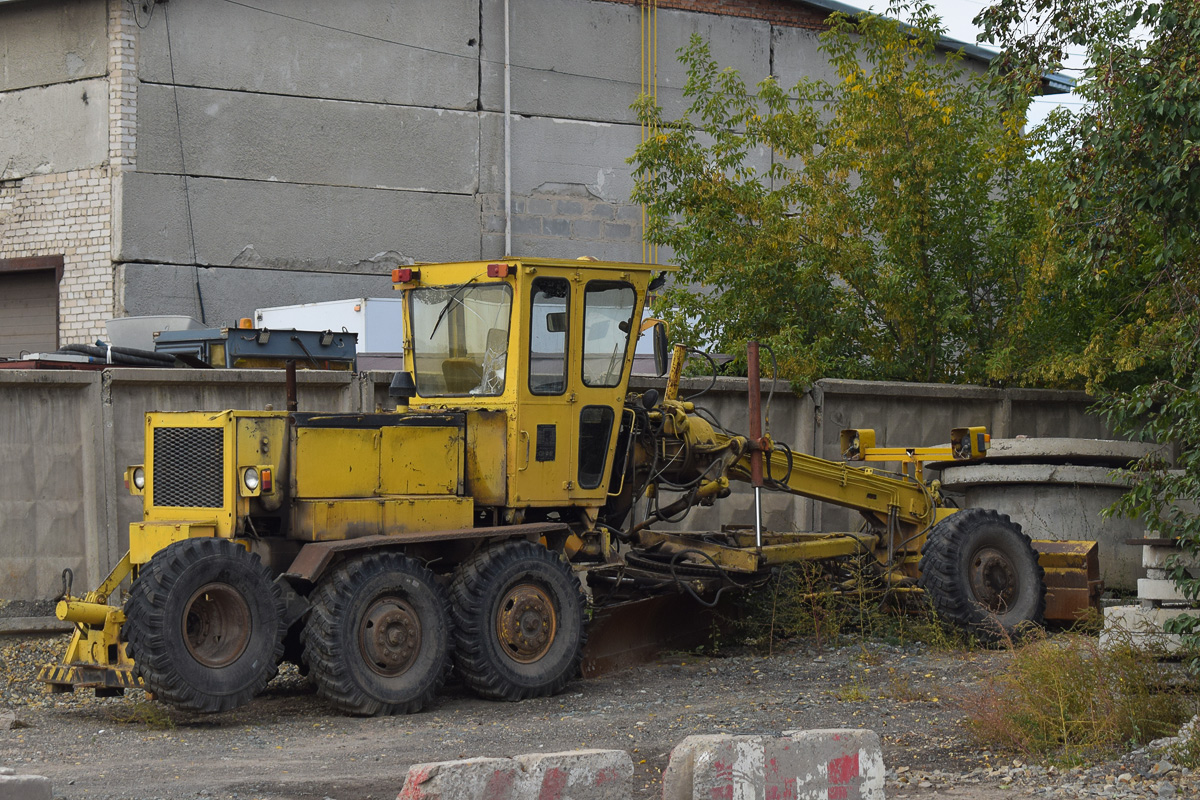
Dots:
pixel 315 139
pixel 45 43
pixel 289 151
pixel 62 106
pixel 321 144
pixel 53 87
pixel 66 438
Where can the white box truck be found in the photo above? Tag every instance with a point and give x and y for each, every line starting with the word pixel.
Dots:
pixel 378 321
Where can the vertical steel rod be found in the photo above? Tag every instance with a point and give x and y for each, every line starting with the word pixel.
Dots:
pixel 756 456
pixel 291 386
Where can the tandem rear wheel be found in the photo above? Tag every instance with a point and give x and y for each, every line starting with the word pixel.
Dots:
pixel 518 613
pixel 378 636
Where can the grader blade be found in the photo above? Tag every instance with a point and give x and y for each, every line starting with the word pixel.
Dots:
pixel 1072 579
pixel 638 631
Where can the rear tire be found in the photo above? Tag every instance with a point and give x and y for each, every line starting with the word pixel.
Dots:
pixel 204 623
pixel 378 637
pixel 981 573
pixel 518 614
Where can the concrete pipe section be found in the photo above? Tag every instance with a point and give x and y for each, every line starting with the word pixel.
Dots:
pixel 1057 489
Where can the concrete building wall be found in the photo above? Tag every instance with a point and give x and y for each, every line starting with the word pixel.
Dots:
pixel 67 438
pixel 47 43
pixel 306 141
pixel 64 112
pixel 297 150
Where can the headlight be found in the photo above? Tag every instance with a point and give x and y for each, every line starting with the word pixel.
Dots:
pixel 250 478
pixel 139 478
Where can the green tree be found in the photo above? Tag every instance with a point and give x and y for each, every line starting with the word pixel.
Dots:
pixel 1128 228
pixel 1115 301
pixel 867 226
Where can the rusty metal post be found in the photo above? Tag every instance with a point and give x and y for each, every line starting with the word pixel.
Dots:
pixel 756 456
pixel 291 386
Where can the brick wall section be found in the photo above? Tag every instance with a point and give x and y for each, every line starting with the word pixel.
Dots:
pixel 70 213
pixel 67 214
pixel 778 12
pixel 577 218
pixel 122 86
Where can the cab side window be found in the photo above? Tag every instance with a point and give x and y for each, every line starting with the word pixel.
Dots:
pixel 607 316
pixel 548 336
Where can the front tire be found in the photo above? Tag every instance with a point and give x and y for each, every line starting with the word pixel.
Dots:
pixel 981 573
pixel 518 613
pixel 204 623
pixel 378 638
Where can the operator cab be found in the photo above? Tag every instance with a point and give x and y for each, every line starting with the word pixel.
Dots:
pixel 548 342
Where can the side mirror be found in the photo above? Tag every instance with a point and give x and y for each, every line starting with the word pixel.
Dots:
pixel 402 387
pixel 661 347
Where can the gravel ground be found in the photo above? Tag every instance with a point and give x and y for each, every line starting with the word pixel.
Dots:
pixel 287 744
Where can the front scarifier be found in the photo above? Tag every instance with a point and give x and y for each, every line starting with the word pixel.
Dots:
pixel 204 625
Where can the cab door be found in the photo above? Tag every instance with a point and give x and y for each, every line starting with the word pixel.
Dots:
pixel 546 412
pixel 599 381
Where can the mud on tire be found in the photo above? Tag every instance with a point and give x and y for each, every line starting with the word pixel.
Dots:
pixel 518 614
pixel 981 573
pixel 204 623
pixel 379 635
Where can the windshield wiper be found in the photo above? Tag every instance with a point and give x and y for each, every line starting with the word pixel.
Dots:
pixel 450 302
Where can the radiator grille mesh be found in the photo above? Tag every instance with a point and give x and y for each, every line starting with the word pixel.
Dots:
pixel 188 467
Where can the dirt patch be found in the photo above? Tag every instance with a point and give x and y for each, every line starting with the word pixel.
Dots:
pixel 289 744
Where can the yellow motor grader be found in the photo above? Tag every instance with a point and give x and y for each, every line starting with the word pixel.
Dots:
pixel 461 530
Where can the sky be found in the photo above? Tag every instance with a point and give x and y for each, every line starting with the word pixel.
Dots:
pixel 956 17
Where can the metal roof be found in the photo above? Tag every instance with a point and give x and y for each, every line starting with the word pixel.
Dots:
pixel 1052 82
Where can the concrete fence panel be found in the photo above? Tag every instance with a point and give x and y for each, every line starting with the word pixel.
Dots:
pixel 66 438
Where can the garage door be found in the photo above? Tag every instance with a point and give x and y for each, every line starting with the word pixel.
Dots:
pixel 28 310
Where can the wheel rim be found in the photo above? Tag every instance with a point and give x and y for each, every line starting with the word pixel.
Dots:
pixel 994 581
pixel 216 625
pixel 527 623
pixel 389 636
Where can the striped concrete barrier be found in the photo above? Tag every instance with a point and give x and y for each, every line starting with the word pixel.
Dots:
pixel 797 765
pixel 578 775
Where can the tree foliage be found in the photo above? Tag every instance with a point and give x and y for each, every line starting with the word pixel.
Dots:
pixel 1117 293
pixel 866 225
pixel 1129 230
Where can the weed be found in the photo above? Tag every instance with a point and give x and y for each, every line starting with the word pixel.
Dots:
pixel 901 690
pixel 832 599
pixel 853 692
pixel 868 658
pixel 143 712
pixel 1072 700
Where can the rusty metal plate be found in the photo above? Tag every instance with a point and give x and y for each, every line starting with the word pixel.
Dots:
pixel 1072 575
pixel 314 557
pixel 627 634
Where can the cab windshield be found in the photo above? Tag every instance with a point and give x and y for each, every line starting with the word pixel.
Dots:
pixel 460 338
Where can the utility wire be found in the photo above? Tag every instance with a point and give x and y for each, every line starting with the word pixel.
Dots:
pixel 187 200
